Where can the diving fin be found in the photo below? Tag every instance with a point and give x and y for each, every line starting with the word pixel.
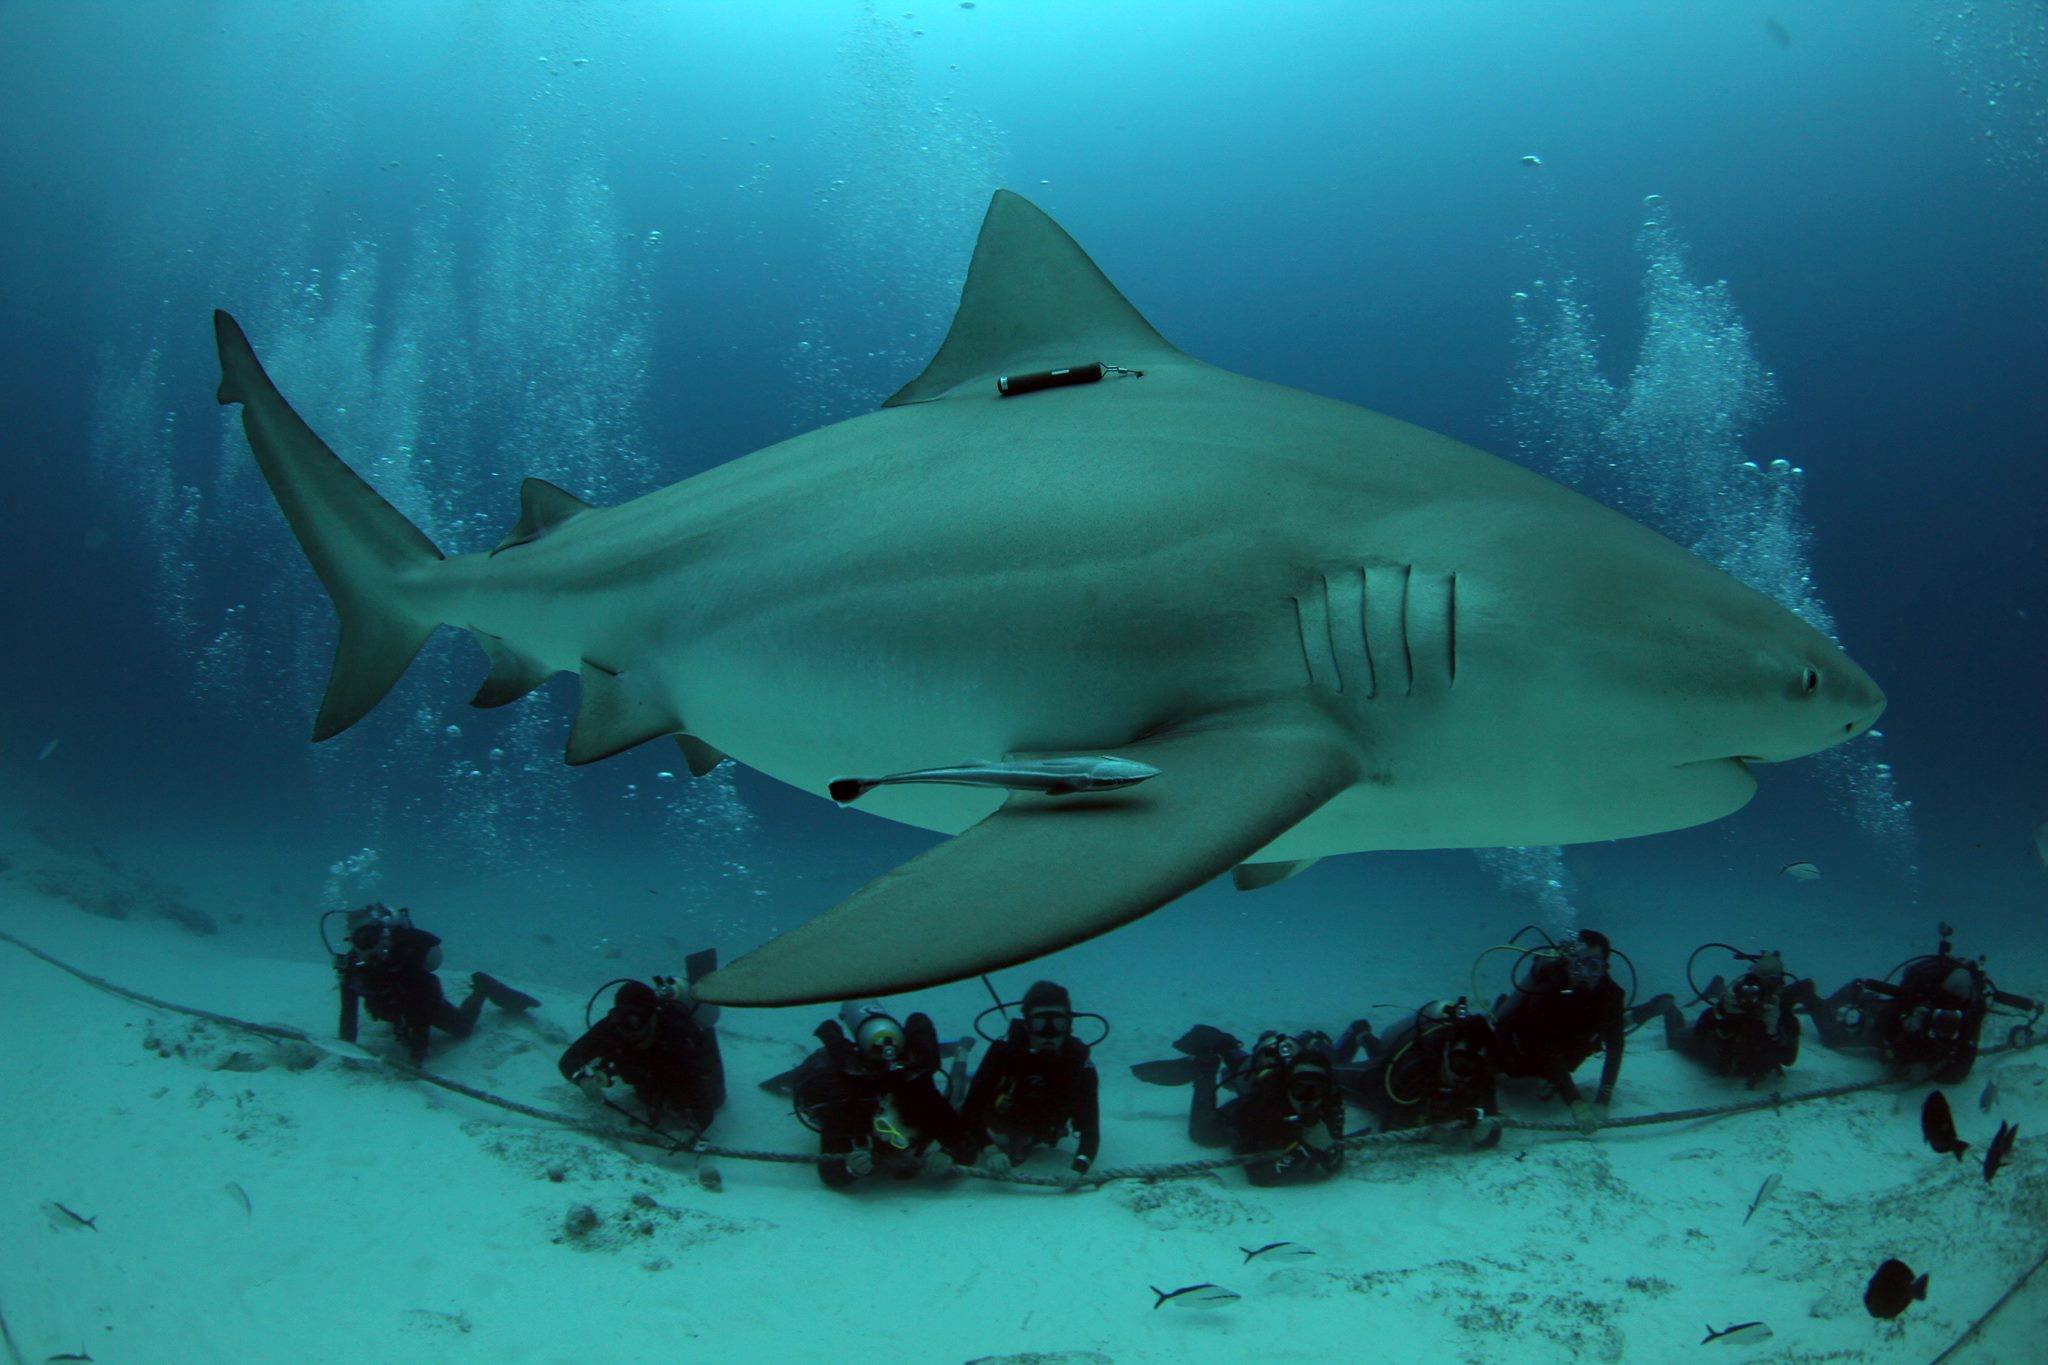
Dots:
pixel 1205 1040
pixel 1172 1070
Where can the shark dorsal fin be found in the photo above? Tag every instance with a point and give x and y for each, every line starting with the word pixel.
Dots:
pixel 542 507
pixel 1033 300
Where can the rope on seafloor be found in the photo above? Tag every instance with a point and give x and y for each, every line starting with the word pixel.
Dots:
pixel 1970 1332
pixel 1173 1170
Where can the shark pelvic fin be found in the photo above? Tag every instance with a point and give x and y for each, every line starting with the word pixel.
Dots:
pixel 513 674
pixel 1033 300
pixel 616 713
pixel 542 507
pixel 363 548
pixel 698 756
pixel 1258 876
pixel 1044 872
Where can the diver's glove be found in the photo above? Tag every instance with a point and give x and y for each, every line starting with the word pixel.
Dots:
pixel 859 1162
pixel 1586 1116
pixel 592 1084
pixel 996 1161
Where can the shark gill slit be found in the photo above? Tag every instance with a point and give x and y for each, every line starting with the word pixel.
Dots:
pixel 1330 637
pixel 1407 650
pixel 1372 672
pixel 1451 629
pixel 1301 638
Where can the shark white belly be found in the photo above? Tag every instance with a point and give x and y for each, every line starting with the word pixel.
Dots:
pixel 1330 631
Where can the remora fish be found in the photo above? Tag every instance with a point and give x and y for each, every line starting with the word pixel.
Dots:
pixel 1892 1288
pixel 1046 776
pixel 65 1217
pixel 1990 1095
pixel 1994 1155
pixel 78 1354
pixel 1277 1251
pixel 1330 631
pixel 1739 1334
pixel 1195 1296
pixel 1763 1192
pixel 1938 1126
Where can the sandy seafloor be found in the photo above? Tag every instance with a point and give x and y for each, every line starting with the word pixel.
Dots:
pixel 392 1221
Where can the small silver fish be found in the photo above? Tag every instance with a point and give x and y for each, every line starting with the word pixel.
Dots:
pixel 1277 1251
pixel 1047 776
pixel 1990 1095
pixel 1532 160
pixel 1800 872
pixel 1195 1296
pixel 1737 1334
pixel 1763 1192
pixel 46 750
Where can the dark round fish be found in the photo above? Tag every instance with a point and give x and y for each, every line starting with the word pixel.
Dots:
pixel 1938 1126
pixel 1892 1288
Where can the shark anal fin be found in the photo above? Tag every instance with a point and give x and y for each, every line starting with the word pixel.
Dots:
pixel 512 676
pixel 1045 872
pixel 614 715
pixel 699 757
pixel 1258 876
pixel 542 507
pixel 1033 300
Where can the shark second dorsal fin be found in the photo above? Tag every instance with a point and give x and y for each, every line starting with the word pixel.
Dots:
pixel 1033 300
pixel 542 507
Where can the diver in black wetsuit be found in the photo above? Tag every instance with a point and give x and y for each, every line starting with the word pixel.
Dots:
pixel 1567 1009
pixel 1926 1024
pixel 663 1044
pixel 1285 1100
pixel 1036 1084
pixel 1435 1066
pixel 388 970
pixel 873 1097
pixel 1748 1028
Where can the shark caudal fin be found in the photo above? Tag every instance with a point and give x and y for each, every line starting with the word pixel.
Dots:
pixel 360 545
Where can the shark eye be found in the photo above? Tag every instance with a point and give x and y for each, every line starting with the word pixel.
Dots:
pixel 1810 682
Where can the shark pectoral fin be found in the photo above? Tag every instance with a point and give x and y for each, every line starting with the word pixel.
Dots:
pixel 1045 872
pixel 512 676
pixel 615 714
pixel 542 507
pixel 1258 876
pixel 1032 300
pixel 699 757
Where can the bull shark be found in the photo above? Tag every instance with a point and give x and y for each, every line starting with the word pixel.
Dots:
pixel 1328 631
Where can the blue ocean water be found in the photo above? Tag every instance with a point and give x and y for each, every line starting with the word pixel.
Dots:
pixel 1767 277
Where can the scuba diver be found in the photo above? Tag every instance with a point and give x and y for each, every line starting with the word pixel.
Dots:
pixel 1435 1066
pixel 870 1092
pixel 1565 1009
pixel 660 1040
pixel 1748 1028
pixel 1925 1024
pixel 1036 1084
pixel 1285 1100
pixel 388 968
